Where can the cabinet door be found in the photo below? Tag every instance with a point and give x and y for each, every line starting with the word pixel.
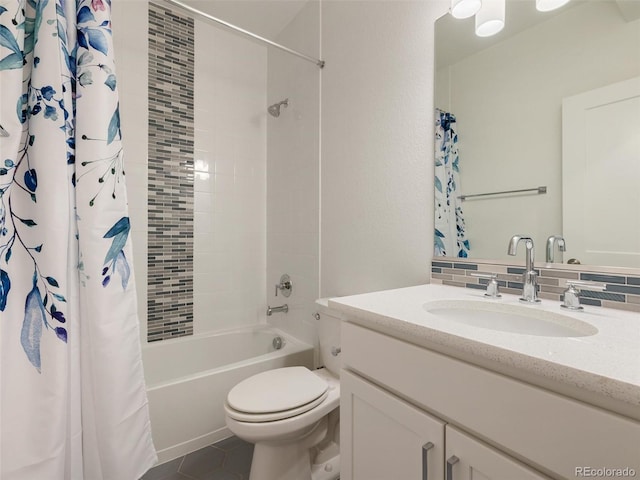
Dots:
pixel 385 438
pixel 470 459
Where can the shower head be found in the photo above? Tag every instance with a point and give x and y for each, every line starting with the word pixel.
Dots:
pixel 274 110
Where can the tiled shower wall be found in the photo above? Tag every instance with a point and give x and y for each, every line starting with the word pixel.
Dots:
pixel 223 214
pixel 622 285
pixel 230 186
pixel 171 154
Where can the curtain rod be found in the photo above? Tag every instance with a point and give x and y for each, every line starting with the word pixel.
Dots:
pixel 538 190
pixel 184 6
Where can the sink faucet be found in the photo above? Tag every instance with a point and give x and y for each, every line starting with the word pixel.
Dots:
pixel 552 241
pixel 530 277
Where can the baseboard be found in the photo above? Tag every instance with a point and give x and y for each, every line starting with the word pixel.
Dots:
pixel 181 449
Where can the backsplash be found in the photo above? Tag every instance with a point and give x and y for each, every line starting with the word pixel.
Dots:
pixel 171 182
pixel 622 290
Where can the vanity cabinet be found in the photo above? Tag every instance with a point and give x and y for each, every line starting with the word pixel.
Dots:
pixel 397 397
pixel 387 438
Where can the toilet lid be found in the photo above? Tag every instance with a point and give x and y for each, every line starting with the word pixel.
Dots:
pixel 277 390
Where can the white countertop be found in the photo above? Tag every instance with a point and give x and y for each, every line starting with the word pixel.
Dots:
pixel 606 363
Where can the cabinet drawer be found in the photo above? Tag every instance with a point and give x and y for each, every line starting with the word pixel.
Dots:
pixel 553 433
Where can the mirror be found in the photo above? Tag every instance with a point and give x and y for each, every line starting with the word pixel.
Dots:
pixel 507 94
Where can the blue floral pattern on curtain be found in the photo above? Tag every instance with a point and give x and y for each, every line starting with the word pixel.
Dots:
pixel 449 232
pixel 69 332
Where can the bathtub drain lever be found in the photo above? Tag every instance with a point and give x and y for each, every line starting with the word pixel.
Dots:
pixel 271 310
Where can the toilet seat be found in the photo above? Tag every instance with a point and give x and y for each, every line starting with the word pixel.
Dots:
pixel 276 395
pixel 274 416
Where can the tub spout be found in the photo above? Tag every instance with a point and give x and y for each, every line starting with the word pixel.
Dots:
pixel 271 310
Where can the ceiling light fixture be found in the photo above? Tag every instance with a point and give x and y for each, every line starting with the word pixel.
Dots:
pixel 490 17
pixel 548 5
pixel 490 14
pixel 465 8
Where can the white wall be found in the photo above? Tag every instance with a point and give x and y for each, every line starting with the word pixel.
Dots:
pixel 293 179
pixel 509 110
pixel 377 144
pixel 230 190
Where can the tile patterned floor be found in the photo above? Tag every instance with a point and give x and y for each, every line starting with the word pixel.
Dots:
pixel 229 459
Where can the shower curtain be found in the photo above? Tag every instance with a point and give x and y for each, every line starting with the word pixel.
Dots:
pixel 73 402
pixel 449 233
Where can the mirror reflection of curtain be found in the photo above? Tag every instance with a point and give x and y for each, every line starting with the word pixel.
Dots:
pixel 449 235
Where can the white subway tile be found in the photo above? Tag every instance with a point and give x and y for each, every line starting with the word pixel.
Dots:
pixel 224 183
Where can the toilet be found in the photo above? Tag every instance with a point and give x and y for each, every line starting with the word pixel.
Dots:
pixel 292 414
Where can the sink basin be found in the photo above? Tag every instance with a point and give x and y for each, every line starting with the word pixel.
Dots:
pixel 525 320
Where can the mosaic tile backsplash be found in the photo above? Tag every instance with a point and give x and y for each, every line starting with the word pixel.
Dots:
pixel 622 289
pixel 171 182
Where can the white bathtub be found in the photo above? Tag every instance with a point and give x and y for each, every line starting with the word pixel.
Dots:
pixel 188 380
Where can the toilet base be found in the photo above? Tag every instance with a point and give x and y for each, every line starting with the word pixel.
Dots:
pixel 287 460
pixel 275 462
pixel 328 470
pixel 269 465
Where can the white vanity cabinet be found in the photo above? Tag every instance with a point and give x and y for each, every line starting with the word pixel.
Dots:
pixel 387 438
pixel 397 397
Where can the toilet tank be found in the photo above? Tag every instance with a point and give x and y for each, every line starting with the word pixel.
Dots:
pixel 329 324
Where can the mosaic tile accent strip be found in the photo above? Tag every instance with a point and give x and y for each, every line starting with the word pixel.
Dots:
pixel 171 154
pixel 622 290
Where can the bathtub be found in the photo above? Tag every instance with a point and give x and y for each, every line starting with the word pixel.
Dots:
pixel 188 380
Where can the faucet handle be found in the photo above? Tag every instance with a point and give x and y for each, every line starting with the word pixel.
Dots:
pixel 285 285
pixel 493 288
pixel 571 299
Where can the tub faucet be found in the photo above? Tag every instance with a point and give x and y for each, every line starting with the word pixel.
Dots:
pixel 271 310
pixel 530 277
